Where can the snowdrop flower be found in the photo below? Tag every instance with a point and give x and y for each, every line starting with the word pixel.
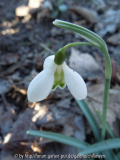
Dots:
pixel 54 76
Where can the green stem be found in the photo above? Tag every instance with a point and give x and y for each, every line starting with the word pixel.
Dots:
pixel 107 85
pixel 105 105
pixel 99 43
pixel 76 44
pixel 60 54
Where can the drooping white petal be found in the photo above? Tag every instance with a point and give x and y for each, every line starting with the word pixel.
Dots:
pixel 48 61
pixel 75 83
pixel 40 87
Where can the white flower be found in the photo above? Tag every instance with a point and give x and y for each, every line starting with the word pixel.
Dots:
pixel 54 76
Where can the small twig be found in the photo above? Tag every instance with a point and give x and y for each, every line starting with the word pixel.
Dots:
pixel 33 105
pixel 27 144
pixel 46 48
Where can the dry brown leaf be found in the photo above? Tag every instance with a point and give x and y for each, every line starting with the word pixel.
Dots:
pixel 105 25
pixel 45 13
pixel 65 103
pixel 97 91
pixel 114 39
pixel 90 15
pixel 115 72
pixel 85 65
pixel 64 125
pixel 5 85
pixel 8 59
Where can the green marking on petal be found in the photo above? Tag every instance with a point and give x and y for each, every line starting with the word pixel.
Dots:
pixel 59 77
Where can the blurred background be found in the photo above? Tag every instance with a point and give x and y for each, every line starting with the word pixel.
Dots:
pixel 27 37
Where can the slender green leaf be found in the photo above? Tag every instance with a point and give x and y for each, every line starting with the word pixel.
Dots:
pixel 67 140
pixel 59 138
pixel 110 155
pixel 95 127
pixel 118 155
pixel 101 146
pixel 90 117
pixel 107 125
pixel 85 33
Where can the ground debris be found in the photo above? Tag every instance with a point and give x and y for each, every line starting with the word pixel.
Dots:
pixel 105 25
pixel 27 37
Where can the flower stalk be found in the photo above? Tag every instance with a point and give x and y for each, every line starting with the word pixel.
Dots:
pixel 60 54
pixel 99 43
pixel 77 44
pixel 105 105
